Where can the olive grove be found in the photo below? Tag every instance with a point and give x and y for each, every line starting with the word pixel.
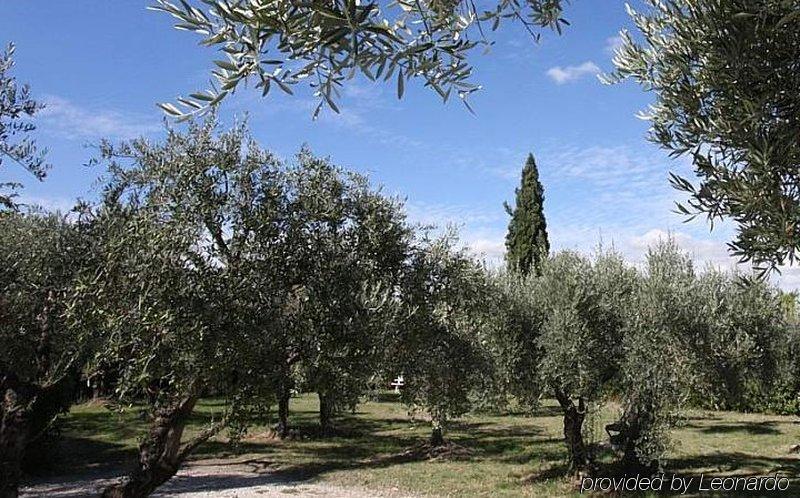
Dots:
pixel 211 267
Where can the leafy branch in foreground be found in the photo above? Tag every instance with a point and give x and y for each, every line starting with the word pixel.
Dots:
pixel 16 105
pixel 326 42
pixel 725 74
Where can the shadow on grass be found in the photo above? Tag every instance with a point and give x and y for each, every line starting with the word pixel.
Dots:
pixel 383 439
pixel 725 465
pixel 734 461
pixel 385 397
pixel 366 446
pixel 752 428
pixel 76 456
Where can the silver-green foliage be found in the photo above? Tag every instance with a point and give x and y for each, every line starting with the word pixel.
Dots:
pixel 215 256
pixel 440 343
pixel 657 374
pixel 40 254
pixel 515 337
pixel 285 42
pixel 346 244
pixel 581 330
pixel 41 356
pixel 185 298
pixel 17 107
pixel 582 303
pixel 739 348
pixel 725 75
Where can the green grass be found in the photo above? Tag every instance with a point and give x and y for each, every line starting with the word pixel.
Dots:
pixel 512 455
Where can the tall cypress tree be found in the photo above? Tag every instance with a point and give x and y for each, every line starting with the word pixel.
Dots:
pixel 526 241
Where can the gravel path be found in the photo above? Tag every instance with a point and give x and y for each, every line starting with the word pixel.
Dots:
pixel 207 479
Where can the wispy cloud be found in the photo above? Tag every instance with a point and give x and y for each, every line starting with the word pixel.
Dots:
pixel 490 249
pixel 480 229
pixel 48 203
pixel 707 251
pixel 68 119
pixel 562 75
pixel 361 103
pixel 614 195
pixel 442 215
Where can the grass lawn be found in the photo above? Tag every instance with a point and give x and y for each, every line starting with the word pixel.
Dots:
pixel 511 455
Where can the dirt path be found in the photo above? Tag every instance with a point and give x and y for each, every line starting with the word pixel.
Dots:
pixel 207 479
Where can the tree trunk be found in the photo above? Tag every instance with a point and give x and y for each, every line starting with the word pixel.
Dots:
pixel 573 431
pixel 629 430
pixel 161 454
pixel 325 412
pixel 437 434
pixel 9 479
pixel 26 411
pixel 12 446
pixel 282 429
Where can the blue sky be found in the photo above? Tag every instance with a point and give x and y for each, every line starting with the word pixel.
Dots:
pixel 102 66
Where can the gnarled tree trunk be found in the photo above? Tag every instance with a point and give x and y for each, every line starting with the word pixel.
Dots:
pixel 13 438
pixel 27 408
pixel 628 431
pixel 26 411
pixel 573 431
pixel 161 453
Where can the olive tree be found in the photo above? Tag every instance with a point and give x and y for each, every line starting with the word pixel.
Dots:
pixel 725 78
pixel 657 372
pixel 280 44
pixel 581 337
pixel 41 356
pixel 16 108
pixel 439 341
pixel 186 298
pixel 348 243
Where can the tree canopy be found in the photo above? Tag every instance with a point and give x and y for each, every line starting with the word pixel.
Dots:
pixel 437 345
pixel 187 296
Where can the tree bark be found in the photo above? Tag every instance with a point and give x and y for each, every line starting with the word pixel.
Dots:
pixel 573 431
pixel 13 432
pixel 284 395
pixel 161 454
pixel 26 411
pixel 325 413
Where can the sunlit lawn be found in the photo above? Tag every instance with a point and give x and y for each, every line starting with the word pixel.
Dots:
pixel 511 455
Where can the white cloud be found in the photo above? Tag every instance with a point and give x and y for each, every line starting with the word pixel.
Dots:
pixel 566 74
pixel 703 251
pixel 490 249
pixel 481 230
pixel 49 203
pixel 74 121
pixel 442 215
pixel 789 278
